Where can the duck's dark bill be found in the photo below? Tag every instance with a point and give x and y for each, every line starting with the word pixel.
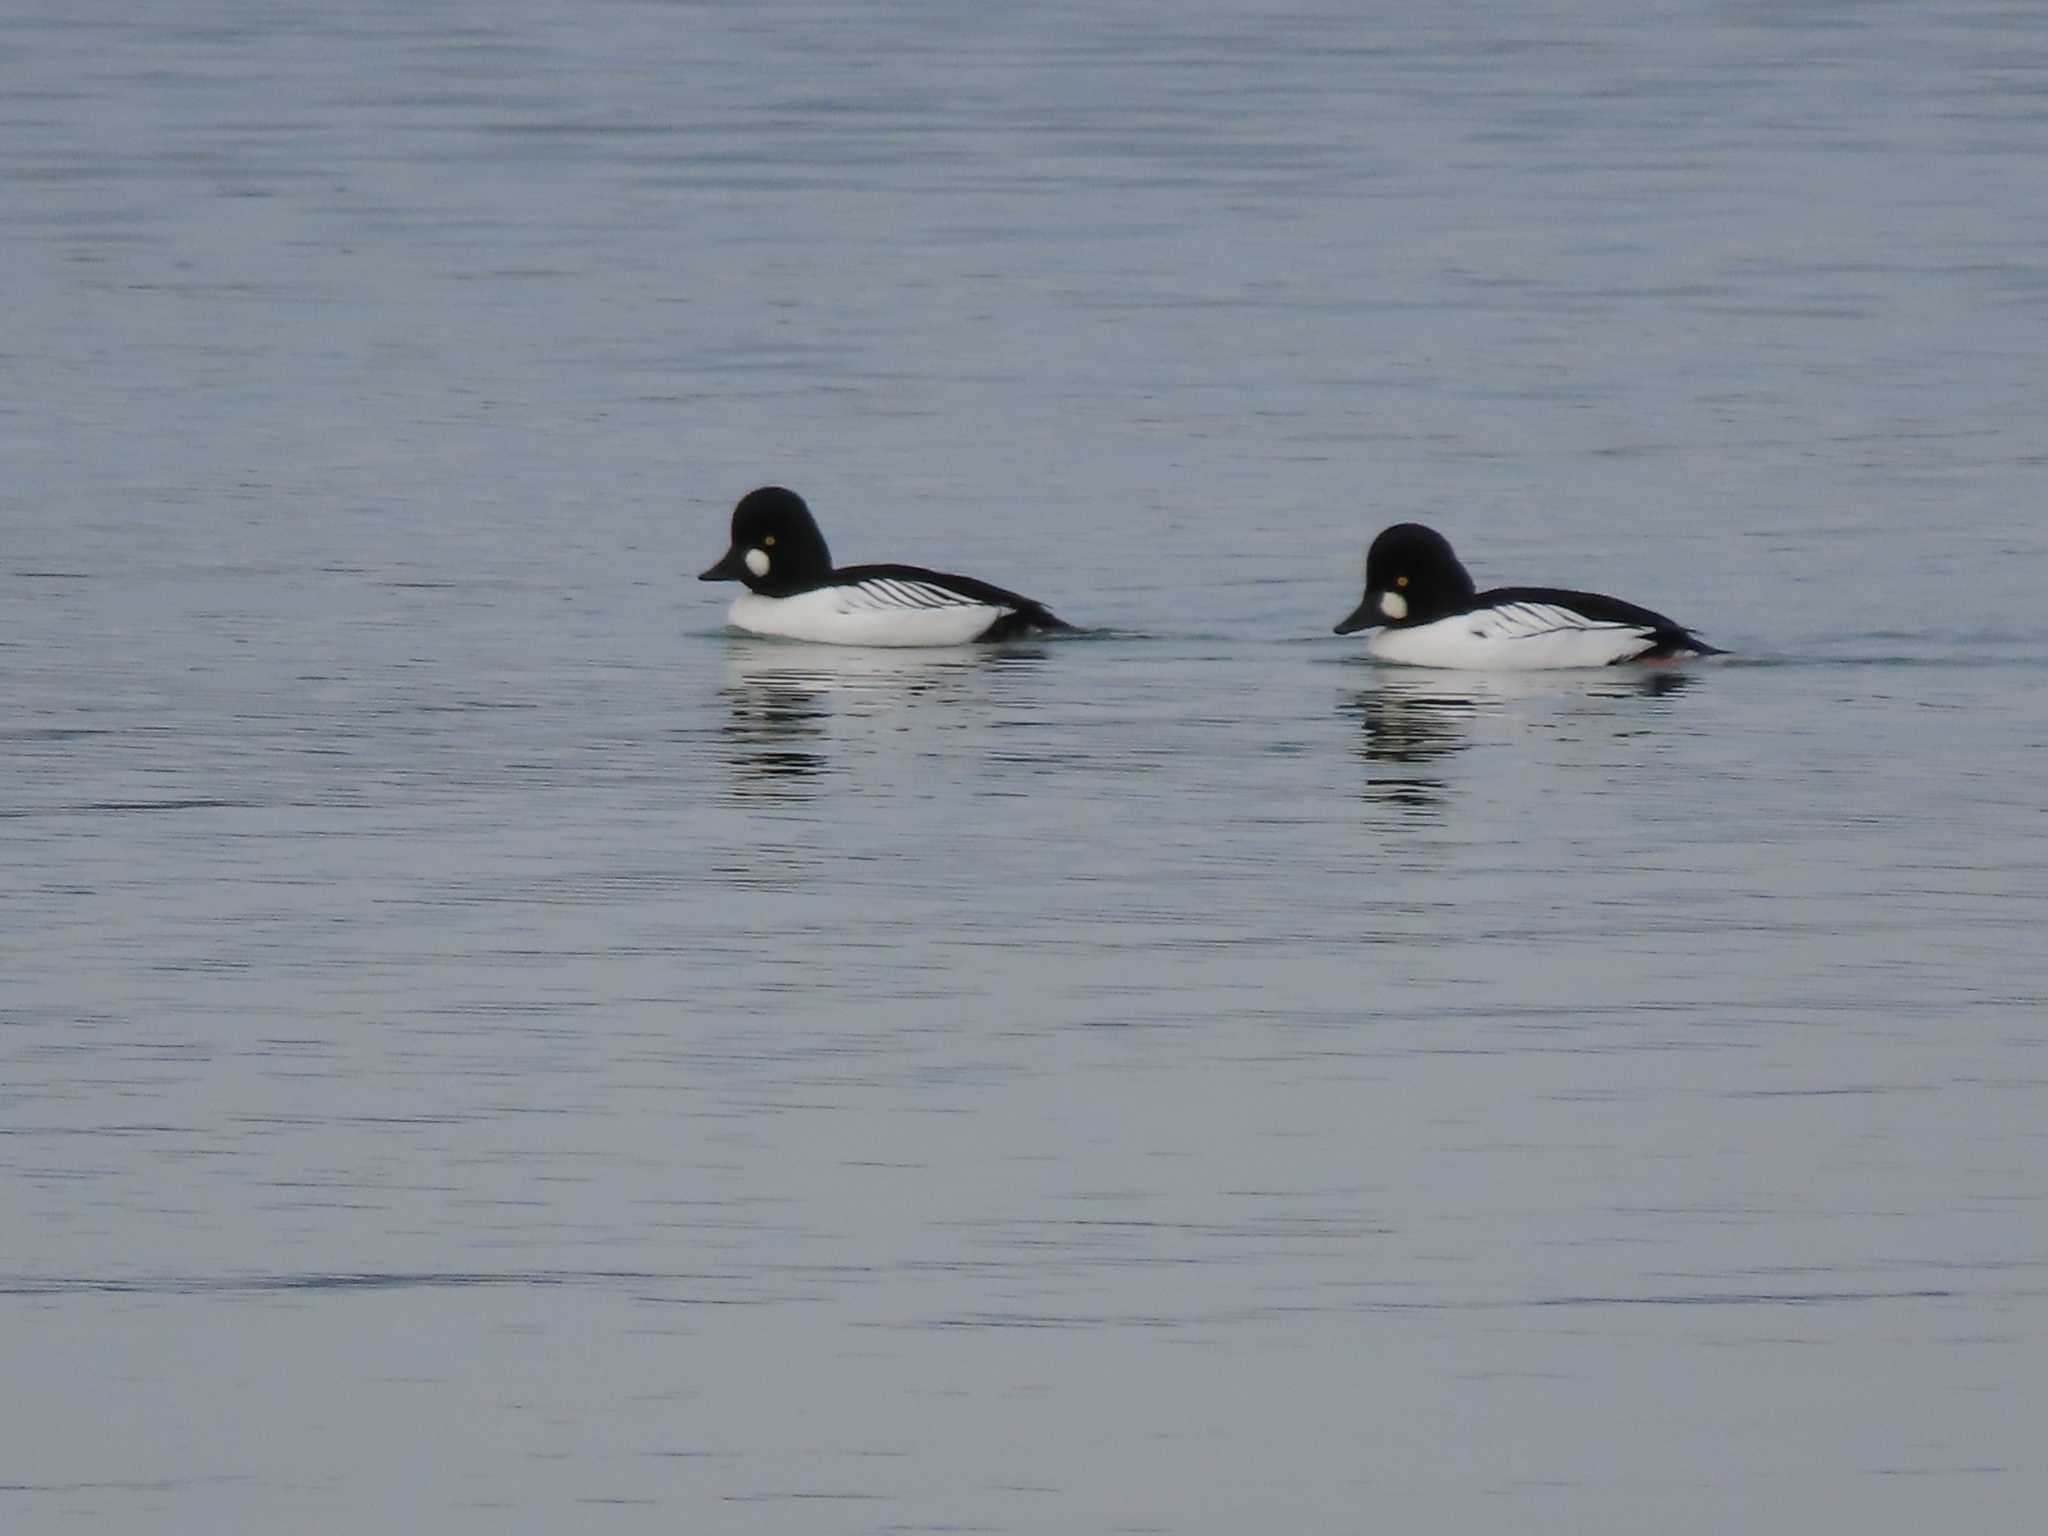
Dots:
pixel 1364 616
pixel 731 568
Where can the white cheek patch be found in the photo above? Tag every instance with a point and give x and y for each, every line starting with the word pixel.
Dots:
pixel 1393 605
pixel 757 561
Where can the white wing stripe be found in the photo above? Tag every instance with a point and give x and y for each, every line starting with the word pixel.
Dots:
pixel 1514 636
pixel 1531 621
pixel 940 597
pixel 882 593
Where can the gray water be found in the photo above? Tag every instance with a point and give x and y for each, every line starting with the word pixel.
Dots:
pixel 482 1049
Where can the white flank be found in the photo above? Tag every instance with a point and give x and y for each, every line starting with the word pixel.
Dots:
pixel 890 612
pixel 1518 637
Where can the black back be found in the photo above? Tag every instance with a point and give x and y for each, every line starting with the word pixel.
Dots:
pixel 1024 616
pixel 1668 636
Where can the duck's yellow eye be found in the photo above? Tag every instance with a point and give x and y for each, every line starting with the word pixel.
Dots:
pixel 1400 581
pixel 769 543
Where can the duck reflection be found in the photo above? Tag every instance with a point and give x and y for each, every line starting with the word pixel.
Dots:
pixel 773 737
pixel 1414 719
pixel 1408 724
pixel 1649 682
pixel 783 696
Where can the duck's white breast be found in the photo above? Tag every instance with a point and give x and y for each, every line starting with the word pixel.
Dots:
pixel 1515 637
pixel 867 614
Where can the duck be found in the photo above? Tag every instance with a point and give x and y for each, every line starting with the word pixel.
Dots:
pixel 795 593
pixel 1428 613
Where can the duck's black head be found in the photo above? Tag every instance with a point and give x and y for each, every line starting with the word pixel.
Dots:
pixel 776 546
pixel 1411 577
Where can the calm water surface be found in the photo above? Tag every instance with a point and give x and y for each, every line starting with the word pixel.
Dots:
pixel 482 1049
